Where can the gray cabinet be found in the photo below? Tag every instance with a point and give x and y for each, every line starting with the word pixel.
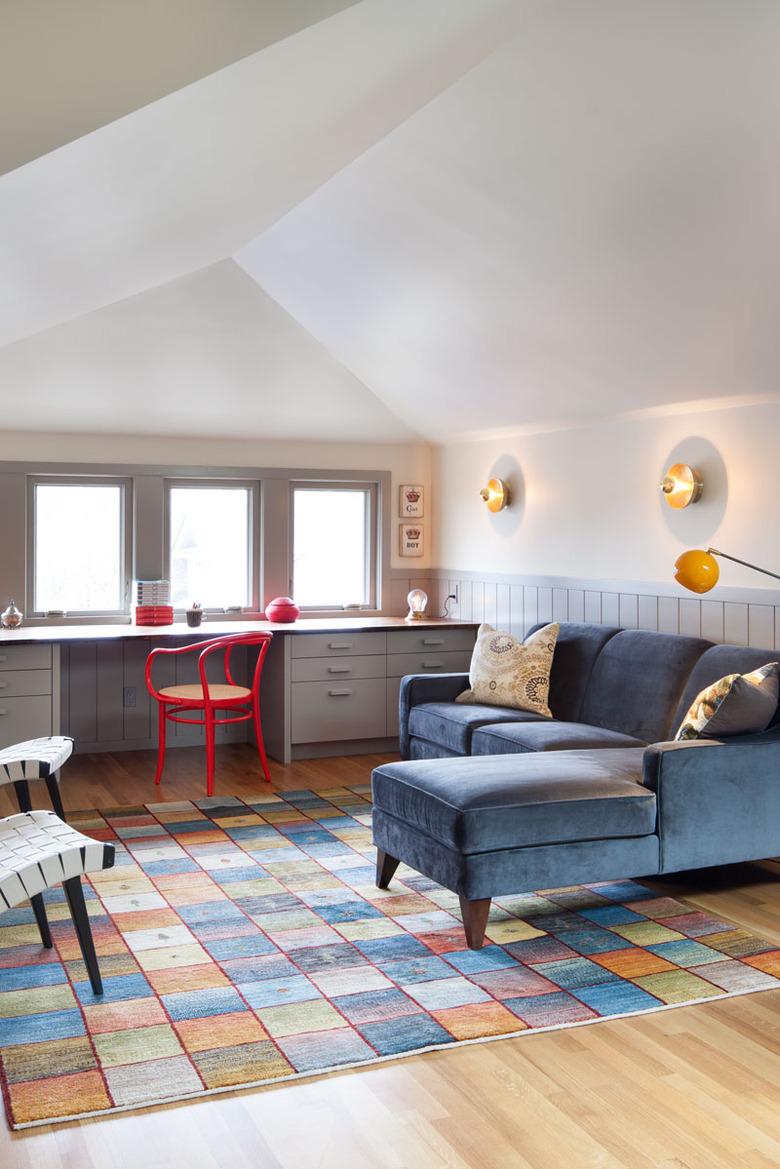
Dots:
pixel 343 688
pixel 29 693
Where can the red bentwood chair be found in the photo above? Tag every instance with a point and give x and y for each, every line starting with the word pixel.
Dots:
pixel 209 697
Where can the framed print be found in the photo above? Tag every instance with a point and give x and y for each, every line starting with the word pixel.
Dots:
pixel 410 501
pixel 411 539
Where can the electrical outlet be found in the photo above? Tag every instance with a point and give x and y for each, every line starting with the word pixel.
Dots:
pixel 129 696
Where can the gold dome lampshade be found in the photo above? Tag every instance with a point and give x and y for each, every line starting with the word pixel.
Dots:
pixel 496 494
pixel 697 570
pixel 681 485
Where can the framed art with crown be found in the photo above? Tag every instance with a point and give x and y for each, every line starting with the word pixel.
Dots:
pixel 410 501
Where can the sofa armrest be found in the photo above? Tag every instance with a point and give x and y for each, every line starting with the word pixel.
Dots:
pixel 419 688
pixel 718 801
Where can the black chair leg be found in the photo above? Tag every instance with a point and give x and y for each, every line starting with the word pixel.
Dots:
pixel 39 909
pixel 53 788
pixel 22 789
pixel 78 911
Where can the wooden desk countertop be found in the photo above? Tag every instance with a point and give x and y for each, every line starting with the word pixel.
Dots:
pixel 63 634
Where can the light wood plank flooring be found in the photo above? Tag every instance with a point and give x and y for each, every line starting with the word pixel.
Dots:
pixel 692 1088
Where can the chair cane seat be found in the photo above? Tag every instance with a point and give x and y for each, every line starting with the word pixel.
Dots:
pixel 220 692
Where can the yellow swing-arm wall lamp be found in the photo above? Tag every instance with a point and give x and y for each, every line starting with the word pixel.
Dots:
pixel 698 569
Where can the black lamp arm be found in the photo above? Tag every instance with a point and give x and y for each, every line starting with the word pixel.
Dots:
pixel 744 563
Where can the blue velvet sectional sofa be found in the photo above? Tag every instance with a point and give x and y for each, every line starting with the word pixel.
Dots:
pixel 491 801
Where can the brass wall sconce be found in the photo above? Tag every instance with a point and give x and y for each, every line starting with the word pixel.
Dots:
pixel 496 495
pixel 698 569
pixel 682 485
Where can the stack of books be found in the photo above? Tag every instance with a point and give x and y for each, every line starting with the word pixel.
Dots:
pixel 152 602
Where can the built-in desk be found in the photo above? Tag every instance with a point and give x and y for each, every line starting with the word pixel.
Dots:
pixel 329 686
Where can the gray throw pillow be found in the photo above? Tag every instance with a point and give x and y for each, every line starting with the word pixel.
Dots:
pixel 739 704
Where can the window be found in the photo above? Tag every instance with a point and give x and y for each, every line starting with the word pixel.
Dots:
pixel 210 545
pixel 79 546
pixel 334 545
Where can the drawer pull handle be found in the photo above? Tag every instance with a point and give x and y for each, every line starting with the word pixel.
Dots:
pixel 432 665
pixel 339 669
pixel 3 685
pixel 339 645
pixel 433 641
pixel 339 693
pixel 3 657
pixel 2 712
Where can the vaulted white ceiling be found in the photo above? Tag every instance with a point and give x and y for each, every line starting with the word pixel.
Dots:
pixel 452 216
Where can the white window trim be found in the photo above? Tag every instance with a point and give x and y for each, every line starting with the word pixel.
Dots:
pixel 373 560
pixel 126 538
pixel 253 535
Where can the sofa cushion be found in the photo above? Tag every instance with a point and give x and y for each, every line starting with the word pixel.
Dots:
pixel 475 805
pixel 505 671
pixel 546 736
pixel 739 704
pixel 714 664
pixel 637 682
pixel 576 650
pixel 450 725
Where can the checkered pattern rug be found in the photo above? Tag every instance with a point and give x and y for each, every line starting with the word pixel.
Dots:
pixel 245 944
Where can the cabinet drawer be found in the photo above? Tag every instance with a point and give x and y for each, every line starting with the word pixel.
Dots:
pixel 330 670
pixel 25 657
pixel 430 662
pixel 24 718
pixel 16 682
pixel 422 640
pixel 327 711
pixel 337 645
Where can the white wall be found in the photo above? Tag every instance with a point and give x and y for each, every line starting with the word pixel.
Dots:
pixel 407 463
pixel 588 505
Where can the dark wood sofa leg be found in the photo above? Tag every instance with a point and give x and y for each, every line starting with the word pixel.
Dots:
pixel 78 911
pixel 385 868
pixel 475 919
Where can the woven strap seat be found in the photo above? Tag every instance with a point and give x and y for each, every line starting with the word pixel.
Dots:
pixel 34 759
pixel 38 851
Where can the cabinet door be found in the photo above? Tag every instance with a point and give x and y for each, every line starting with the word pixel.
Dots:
pixel 393 691
pixel 325 712
pixel 24 718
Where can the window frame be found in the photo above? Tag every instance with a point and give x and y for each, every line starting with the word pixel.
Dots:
pixel 253 534
pixel 125 483
pixel 373 564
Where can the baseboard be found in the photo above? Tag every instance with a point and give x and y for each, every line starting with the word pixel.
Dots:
pixel 345 747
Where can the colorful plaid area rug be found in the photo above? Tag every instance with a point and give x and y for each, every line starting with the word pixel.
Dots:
pixel 245 944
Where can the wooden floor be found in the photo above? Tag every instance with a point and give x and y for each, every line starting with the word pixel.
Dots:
pixel 692 1088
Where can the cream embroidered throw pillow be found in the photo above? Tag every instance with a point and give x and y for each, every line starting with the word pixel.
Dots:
pixel 739 704
pixel 508 672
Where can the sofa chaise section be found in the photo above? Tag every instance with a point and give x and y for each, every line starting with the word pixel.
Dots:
pixel 486 827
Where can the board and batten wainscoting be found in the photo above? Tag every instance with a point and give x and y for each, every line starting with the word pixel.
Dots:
pixel 516 603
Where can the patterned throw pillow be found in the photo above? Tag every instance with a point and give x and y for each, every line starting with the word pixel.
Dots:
pixel 508 672
pixel 739 704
